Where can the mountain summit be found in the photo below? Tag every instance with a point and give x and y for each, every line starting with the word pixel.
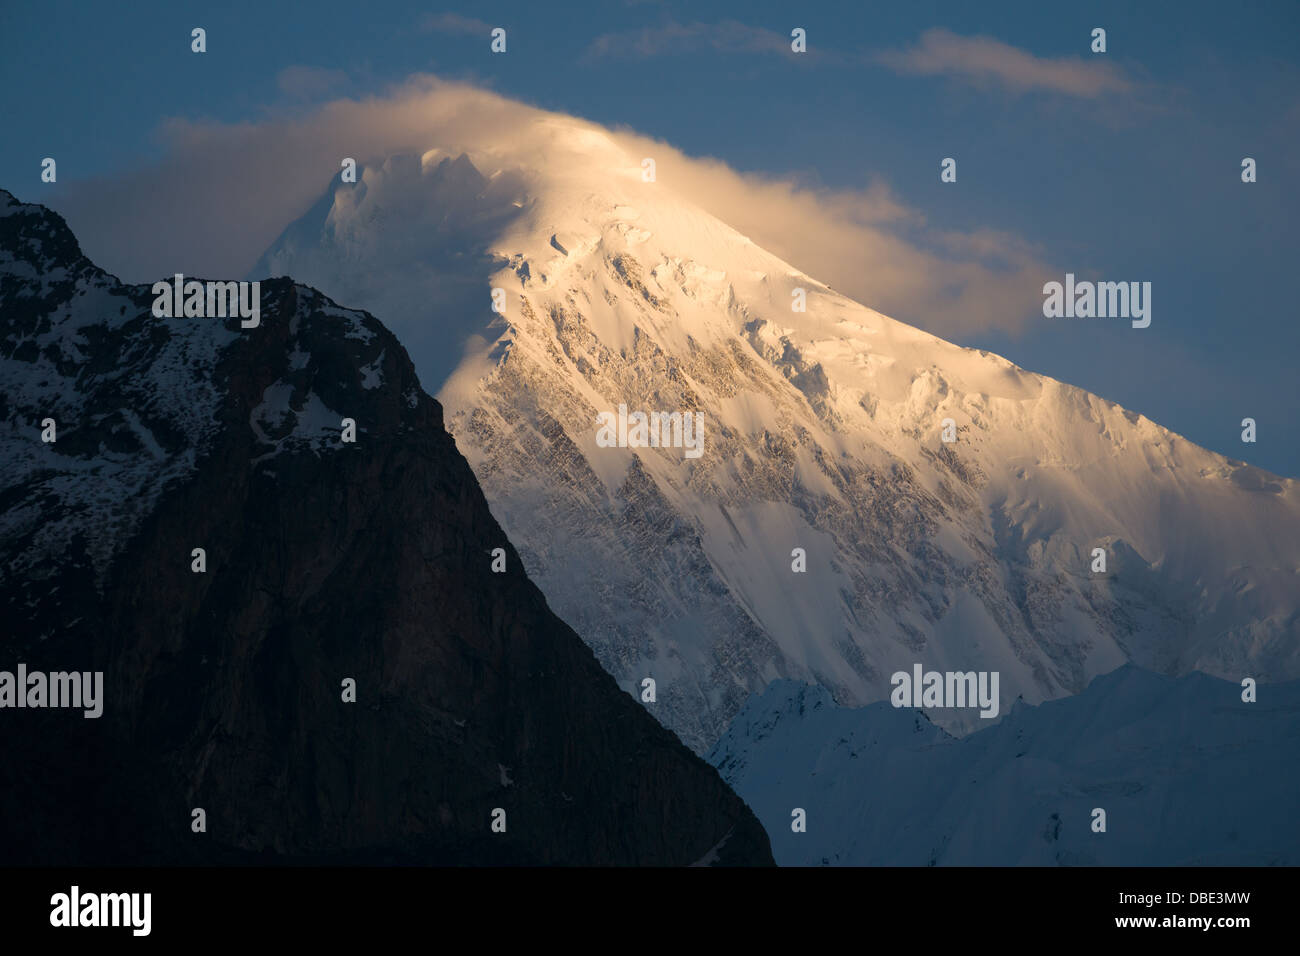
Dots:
pixel 823 445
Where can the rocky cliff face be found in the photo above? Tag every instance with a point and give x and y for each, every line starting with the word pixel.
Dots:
pixel 326 561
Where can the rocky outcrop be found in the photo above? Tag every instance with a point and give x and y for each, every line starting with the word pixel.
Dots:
pixel 326 561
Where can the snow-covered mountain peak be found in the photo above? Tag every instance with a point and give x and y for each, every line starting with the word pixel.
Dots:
pixel 823 432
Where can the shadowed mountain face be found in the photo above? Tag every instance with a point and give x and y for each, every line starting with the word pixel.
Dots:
pixel 325 561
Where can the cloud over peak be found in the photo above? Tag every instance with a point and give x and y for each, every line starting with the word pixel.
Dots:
pixel 223 192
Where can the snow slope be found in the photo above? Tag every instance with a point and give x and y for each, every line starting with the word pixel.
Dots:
pixel 1187 773
pixel 822 432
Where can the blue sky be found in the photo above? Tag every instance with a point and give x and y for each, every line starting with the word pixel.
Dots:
pixel 1125 166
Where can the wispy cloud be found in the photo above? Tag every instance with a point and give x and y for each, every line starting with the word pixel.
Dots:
pixel 726 36
pixel 245 182
pixel 455 24
pixel 984 60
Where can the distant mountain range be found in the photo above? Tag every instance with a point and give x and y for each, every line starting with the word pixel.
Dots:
pixel 1186 772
